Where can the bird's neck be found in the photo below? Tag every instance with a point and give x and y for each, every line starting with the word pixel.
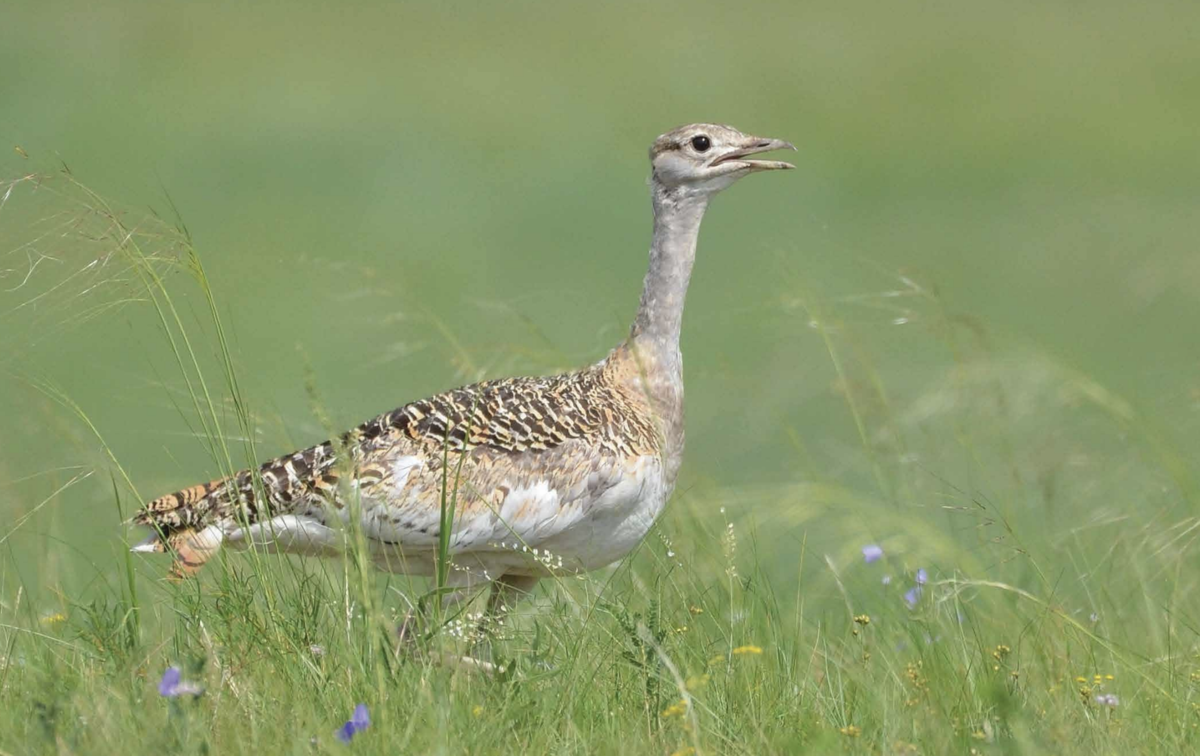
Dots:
pixel 672 252
pixel 649 363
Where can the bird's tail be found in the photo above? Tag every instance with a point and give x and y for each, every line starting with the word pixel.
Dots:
pixel 190 547
pixel 191 524
pixel 188 523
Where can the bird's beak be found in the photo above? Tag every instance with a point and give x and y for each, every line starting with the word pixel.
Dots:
pixel 756 145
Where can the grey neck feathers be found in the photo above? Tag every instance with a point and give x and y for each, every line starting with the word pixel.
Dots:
pixel 677 217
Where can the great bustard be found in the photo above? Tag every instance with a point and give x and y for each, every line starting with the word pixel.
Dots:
pixel 577 465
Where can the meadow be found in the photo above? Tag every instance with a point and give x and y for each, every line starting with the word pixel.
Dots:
pixel 943 408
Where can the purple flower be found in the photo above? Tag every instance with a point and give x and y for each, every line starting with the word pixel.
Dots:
pixel 922 576
pixel 359 722
pixel 872 553
pixel 173 685
pixel 1108 699
pixel 170 680
pixel 912 596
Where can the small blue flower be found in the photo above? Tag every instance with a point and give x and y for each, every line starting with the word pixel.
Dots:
pixel 912 596
pixel 922 576
pixel 359 722
pixel 872 553
pixel 170 679
pixel 172 685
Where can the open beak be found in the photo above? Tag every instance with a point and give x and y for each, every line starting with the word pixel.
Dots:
pixel 756 146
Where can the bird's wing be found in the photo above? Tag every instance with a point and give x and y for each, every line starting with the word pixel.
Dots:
pixel 511 450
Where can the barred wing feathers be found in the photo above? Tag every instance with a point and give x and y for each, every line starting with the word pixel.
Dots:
pixel 518 455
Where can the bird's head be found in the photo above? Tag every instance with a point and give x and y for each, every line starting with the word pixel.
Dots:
pixel 704 158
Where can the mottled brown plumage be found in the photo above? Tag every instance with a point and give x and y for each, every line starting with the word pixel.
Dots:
pixel 493 422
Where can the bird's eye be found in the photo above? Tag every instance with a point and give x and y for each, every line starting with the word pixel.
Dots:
pixel 700 143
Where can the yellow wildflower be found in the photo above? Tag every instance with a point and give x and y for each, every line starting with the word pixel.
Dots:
pixel 675 709
pixel 54 619
pixel 743 650
pixel 851 731
pixel 685 751
pixel 477 711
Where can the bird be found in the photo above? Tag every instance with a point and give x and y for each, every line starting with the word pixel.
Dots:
pixel 545 476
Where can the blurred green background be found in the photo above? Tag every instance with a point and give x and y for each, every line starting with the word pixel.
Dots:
pixel 391 198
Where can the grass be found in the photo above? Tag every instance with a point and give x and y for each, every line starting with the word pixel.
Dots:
pixel 1053 523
